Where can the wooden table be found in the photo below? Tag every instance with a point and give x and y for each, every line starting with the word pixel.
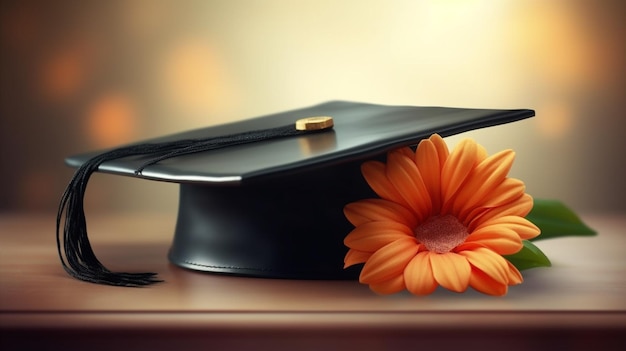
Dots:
pixel 580 302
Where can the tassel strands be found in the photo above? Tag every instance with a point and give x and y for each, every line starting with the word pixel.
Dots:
pixel 74 249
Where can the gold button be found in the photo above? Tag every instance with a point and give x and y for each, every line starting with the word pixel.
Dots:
pixel 314 123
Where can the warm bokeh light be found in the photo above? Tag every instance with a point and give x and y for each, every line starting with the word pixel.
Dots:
pixel 555 120
pixel 78 76
pixel 555 43
pixel 191 78
pixel 63 73
pixel 111 120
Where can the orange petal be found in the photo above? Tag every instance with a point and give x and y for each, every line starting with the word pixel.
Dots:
pixel 518 207
pixel 451 270
pixel 483 181
pixel 457 167
pixel 427 161
pixel 375 174
pixel 442 148
pixel 404 175
pixel 523 227
pixel 389 261
pixel 481 153
pixel 370 210
pixel 418 275
pixel 508 190
pixel 355 257
pixel 406 151
pixel 504 194
pixel 515 277
pixel 498 238
pixel 489 262
pixel 390 286
pixel 467 246
pixel 485 284
pixel 372 236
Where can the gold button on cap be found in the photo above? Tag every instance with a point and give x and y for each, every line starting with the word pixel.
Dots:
pixel 314 123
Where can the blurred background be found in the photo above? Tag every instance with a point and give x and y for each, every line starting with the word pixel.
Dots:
pixel 83 75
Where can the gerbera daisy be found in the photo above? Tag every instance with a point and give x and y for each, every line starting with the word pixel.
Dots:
pixel 444 218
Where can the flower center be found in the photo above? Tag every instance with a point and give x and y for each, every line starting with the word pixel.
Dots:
pixel 441 234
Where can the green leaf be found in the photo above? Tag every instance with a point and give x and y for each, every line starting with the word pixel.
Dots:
pixel 556 220
pixel 529 257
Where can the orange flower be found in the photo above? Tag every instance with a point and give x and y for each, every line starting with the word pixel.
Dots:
pixel 444 218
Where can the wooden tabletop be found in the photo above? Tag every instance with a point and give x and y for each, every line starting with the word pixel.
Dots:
pixel 581 298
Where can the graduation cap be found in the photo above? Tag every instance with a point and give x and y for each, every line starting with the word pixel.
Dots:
pixel 261 197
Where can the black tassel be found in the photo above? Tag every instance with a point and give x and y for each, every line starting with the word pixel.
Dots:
pixel 75 252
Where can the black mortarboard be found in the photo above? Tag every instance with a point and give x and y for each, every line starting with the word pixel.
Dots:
pixel 259 197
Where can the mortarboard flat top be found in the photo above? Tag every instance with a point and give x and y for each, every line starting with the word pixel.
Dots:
pixel 274 208
pixel 360 131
